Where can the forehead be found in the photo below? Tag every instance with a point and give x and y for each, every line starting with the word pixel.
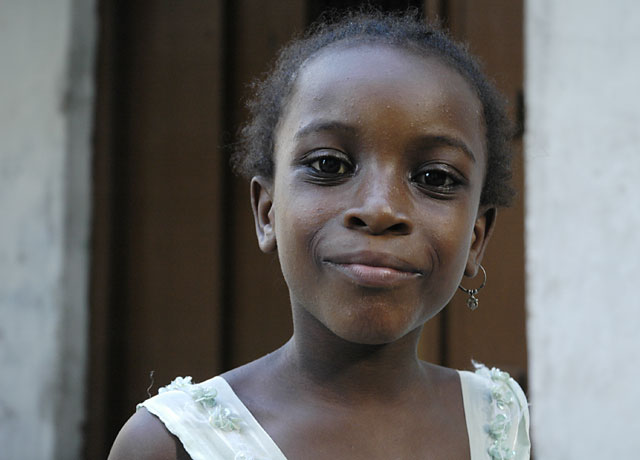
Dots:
pixel 352 83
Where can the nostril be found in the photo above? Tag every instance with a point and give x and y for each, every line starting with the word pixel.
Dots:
pixel 378 226
pixel 400 228
pixel 355 222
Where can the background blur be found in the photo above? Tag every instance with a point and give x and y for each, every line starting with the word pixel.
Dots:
pixel 127 246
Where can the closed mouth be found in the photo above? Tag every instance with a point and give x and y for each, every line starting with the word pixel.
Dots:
pixel 372 269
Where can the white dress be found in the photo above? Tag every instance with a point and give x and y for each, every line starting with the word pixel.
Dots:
pixel 213 424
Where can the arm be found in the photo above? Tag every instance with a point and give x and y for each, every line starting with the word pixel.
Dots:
pixel 144 437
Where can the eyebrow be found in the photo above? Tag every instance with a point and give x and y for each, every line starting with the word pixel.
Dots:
pixel 325 125
pixel 332 125
pixel 450 141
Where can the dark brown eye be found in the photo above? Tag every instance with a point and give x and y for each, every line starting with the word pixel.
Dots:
pixel 330 165
pixel 435 178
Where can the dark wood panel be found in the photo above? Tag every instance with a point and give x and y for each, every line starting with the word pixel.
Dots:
pixel 317 7
pixel 173 220
pixel 97 426
pixel 159 125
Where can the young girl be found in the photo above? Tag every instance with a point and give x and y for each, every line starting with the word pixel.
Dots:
pixel 378 153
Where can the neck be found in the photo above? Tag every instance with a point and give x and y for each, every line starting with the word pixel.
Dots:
pixel 319 361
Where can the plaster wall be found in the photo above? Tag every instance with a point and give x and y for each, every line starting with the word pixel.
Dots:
pixel 582 221
pixel 46 92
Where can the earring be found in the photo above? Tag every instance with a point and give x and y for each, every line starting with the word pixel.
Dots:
pixel 472 301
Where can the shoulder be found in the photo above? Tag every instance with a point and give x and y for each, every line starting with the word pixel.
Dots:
pixel 497 413
pixel 144 437
pixel 163 423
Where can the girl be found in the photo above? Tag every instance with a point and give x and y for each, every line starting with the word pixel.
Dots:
pixel 378 153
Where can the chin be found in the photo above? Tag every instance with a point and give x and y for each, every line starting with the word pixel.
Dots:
pixel 372 329
pixel 370 337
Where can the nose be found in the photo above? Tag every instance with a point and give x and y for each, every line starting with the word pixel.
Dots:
pixel 379 207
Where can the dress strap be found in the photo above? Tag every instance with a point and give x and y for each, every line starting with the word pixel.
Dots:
pixel 211 422
pixel 497 415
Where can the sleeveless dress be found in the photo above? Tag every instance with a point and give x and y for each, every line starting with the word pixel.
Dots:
pixel 213 424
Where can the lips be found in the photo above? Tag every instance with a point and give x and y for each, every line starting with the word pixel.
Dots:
pixel 374 269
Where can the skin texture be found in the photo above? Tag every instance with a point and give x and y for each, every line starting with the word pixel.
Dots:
pixel 145 437
pixel 374 213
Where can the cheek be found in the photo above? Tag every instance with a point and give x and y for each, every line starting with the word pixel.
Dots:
pixel 451 223
pixel 451 242
pixel 296 234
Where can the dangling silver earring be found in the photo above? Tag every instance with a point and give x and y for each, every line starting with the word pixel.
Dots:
pixel 472 301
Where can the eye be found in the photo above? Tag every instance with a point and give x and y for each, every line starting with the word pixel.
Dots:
pixel 330 165
pixel 437 179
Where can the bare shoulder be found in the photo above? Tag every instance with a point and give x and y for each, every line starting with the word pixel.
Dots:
pixel 144 437
pixel 250 378
pixel 441 375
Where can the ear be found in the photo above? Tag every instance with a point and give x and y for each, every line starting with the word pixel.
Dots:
pixel 482 231
pixel 262 206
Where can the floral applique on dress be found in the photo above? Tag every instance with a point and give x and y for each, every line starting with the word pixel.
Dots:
pixel 506 410
pixel 219 416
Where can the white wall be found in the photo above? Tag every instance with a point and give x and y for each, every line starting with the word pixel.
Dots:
pixel 583 227
pixel 46 91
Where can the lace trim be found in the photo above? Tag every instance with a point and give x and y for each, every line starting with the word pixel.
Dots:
pixel 219 417
pixel 504 409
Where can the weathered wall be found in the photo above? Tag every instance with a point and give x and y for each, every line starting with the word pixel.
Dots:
pixel 583 216
pixel 46 87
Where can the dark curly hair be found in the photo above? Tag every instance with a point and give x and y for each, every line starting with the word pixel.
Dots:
pixel 254 153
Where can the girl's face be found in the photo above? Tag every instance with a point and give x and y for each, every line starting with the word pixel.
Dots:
pixel 374 205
